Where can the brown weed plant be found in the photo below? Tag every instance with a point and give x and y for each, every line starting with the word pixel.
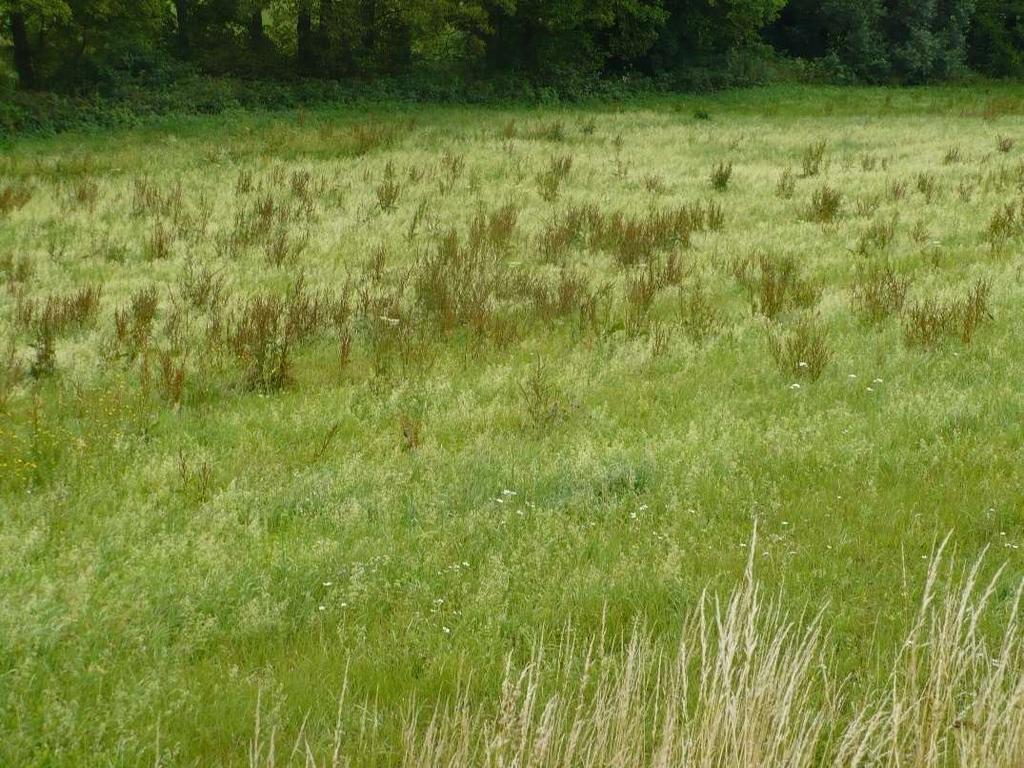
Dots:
pixel 803 350
pixel 720 176
pixel 879 291
pixel 826 204
pixel 550 181
pixel 927 322
pixel 774 284
pixel 14 197
pixel 813 157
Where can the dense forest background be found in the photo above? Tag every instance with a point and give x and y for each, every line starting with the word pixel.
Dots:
pixel 78 47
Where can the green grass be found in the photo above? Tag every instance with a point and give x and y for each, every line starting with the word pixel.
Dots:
pixel 484 464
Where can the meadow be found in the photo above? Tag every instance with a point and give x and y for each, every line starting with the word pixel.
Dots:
pixel 681 431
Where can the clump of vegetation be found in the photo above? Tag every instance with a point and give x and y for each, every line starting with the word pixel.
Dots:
pixel 928 186
pixel 720 176
pixel 84 194
pixel 133 324
pixel 635 239
pixel 826 204
pixel 61 312
pixel 879 292
pixel 550 181
pixel 283 247
pixel 389 190
pixel 867 206
pixel 150 198
pixel 813 157
pixel 1005 222
pixel 261 336
pixel 16 271
pixel 744 651
pixel 698 313
pixel 774 284
pixel 11 373
pixel 568 230
pixel 202 287
pixel 552 131
pixel 542 398
pixel 47 319
pixel 161 242
pixel 14 197
pixel 879 235
pixel 642 287
pixel 786 185
pixel 896 190
pixel 803 350
pixel 364 138
pixel 655 184
pixel 453 166
pixel 928 321
pixel 172 377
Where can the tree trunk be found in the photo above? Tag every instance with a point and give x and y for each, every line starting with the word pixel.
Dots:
pixel 23 63
pixel 304 34
pixel 368 21
pixel 257 35
pixel 326 16
pixel 182 20
pixel 325 28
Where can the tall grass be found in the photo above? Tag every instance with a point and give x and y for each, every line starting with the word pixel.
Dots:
pixel 263 389
pixel 746 685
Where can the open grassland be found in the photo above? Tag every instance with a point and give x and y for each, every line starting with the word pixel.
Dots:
pixel 390 406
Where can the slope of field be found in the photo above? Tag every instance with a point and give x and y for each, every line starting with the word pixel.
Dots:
pixel 376 400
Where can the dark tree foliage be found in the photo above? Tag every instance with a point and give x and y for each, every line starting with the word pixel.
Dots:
pixel 83 44
pixel 996 38
pixel 928 37
pixel 848 34
pixel 879 40
pixel 699 30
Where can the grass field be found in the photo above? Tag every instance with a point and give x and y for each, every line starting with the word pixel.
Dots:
pixel 386 406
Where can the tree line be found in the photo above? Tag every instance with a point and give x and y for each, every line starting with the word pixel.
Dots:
pixel 72 44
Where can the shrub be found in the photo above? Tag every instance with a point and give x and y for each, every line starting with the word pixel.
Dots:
pixel 389 190
pixel 879 235
pixel 697 313
pixel 550 181
pixel 14 197
pixel 826 204
pixel 542 399
pixel 1005 222
pixel 879 291
pixel 802 351
pixel 927 322
pixel 774 284
pixel 720 176
pixel 261 339
pixel 813 157
pixel 59 313
pixel 11 373
pixel 786 185
pixel 133 324
pixel 896 190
